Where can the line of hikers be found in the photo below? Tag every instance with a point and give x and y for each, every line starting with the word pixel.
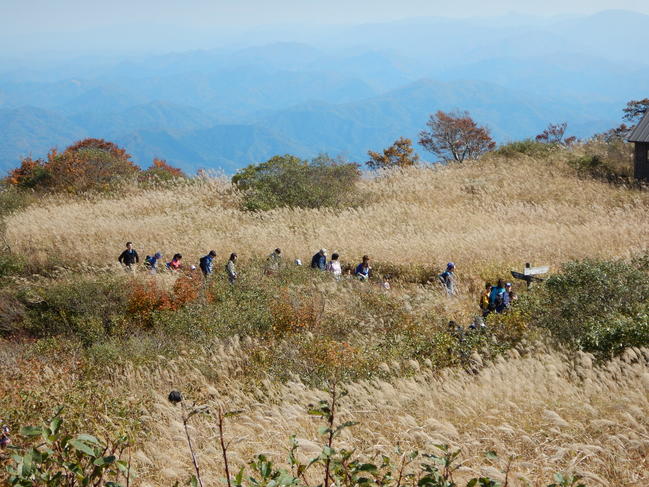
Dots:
pixel 362 271
pixel 129 258
pixel 496 298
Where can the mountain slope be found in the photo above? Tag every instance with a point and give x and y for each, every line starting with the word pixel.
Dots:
pixel 355 127
pixel 33 131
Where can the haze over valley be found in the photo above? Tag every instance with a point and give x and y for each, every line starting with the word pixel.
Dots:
pixel 337 89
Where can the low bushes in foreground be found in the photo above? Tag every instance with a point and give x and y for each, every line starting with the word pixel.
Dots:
pixel 50 456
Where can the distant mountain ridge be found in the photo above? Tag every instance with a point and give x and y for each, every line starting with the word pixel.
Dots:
pixel 192 139
pixel 339 89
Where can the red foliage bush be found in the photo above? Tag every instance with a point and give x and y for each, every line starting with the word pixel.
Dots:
pixel 147 296
pixel 90 164
pixel 29 174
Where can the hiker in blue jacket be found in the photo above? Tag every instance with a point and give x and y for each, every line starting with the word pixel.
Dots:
pixel 319 260
pixel 498 299
pixel 363 269
pixel 206 263
pixel 447 278
pixel 152 262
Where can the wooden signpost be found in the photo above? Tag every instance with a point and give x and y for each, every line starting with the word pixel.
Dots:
pixel 531 274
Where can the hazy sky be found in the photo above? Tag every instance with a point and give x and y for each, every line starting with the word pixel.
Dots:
pixel 68 26
pixel 57 15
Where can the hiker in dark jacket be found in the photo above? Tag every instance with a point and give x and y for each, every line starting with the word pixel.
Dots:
pixel 319 260
pixel 206 263
pixel 129 256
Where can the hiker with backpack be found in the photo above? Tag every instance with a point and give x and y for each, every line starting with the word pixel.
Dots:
pixel 151 262
pixel 129 257
pixel 497 298
pixel 206 263
pixel 231 268
pixel 319 260
pixel 510 295
pixel 447 278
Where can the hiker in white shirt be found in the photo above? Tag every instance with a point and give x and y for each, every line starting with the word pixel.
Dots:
pixel 334 266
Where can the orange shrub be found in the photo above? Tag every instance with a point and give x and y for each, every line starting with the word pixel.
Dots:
pixel 187 289
pixel 292 314
pixel 147 297
pixel 31 173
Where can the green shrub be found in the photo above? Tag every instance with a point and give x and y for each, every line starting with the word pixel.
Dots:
pixel 13 199
pixel 598 306
pixel 526 147
pixel 12 313
pixel 293 182
pixel 88 308
pixel 592 165
pixel 610 160
pixel 53 457
pixel 10 265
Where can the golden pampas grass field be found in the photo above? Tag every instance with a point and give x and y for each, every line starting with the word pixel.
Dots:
pixel 545 409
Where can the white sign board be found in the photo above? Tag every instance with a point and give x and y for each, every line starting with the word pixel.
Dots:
pixel 533 271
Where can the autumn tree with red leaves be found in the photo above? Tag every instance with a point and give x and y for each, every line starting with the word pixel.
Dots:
pixel 399 154
pixel 455 137
pixel 614 134
pixel 556 134
pixel 88 165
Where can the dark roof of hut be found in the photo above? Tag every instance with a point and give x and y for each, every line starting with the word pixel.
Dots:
pixel 641 131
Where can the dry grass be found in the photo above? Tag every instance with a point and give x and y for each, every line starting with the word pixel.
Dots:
pixel 480 215
pixel 549 412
